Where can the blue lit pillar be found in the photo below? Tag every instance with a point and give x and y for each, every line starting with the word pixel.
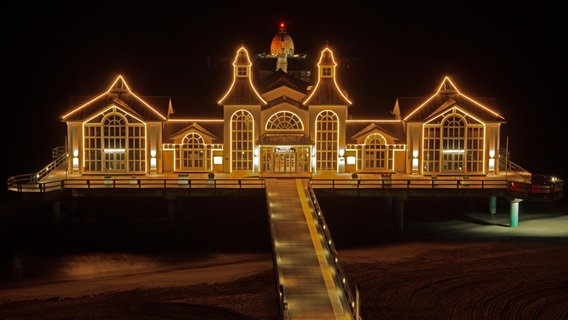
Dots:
pixel 493 205
pixel 515 212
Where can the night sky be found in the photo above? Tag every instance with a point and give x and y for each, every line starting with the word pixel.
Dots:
pixel 512 51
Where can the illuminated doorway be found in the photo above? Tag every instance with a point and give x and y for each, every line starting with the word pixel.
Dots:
pixel 285 162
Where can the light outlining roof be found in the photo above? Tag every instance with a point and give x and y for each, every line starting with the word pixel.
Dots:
pixel 442 115
pixel 114 108
pixel 195 120
pixel 113 85
pixel 372 120
pixel 445 84
pixel 319 76
pixel 248 65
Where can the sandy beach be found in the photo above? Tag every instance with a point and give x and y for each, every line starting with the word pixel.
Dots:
pixel 444 265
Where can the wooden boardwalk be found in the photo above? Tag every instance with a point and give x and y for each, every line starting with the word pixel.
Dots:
pixel 307 279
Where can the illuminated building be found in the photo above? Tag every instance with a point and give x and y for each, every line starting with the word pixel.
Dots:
pixel 279 117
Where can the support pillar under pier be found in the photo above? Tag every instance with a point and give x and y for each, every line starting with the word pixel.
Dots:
pixel 493 205
pixel 399 213
pixel 171 207
pixel 388 204
pixel 515 212
pixel 56 213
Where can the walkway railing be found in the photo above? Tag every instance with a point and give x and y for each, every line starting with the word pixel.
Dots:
pixel 352 300
pixel 15 184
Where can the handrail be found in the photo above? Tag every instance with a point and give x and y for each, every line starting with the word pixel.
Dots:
pixel 541 188
pixel 16 184
pixel 330 244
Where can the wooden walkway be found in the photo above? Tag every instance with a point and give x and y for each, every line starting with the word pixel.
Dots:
pixel 309 287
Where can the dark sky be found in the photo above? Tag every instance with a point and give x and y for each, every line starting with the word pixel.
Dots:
pixel 513 51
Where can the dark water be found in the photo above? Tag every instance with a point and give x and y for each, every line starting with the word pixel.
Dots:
pixel 99 235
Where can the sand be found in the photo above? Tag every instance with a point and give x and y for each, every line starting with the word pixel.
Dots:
pixel 470 265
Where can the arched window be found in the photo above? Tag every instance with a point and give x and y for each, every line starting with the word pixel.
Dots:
pixel 242 140
pixel 375 152
pixel 284 120
pixel 193 152
pixel 114 142
pixel 453 145
pixel 327 127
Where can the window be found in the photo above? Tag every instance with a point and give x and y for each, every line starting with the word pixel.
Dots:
pixel 242 131
pixel 375 152
pixel 241 71
pixel 114 142
pixel 327 127
pixel 193 154
pixel 326 72
pixel 284 120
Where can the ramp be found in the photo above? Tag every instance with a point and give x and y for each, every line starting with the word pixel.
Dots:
pixel 308 285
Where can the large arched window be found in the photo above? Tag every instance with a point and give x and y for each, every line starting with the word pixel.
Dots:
pixel 375 152
pixel 284 120
pixel 193 152
pixel 242 140
pixel 114 142
pixel 454 145
pixel 327 127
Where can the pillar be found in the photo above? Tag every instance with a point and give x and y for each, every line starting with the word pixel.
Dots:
pixel 56 213
pixel 515 212
pixel 388 204
pixel 493 205
pixel 399 213
pixel 171 207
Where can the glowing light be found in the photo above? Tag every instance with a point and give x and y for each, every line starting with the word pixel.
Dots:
pixel 492 153
pixel 119 150
pixel 153 153
pixel 112 86
pixel 351 160
pixel 75 153
pixel 442 85
pixel 453 151
pixel 217 160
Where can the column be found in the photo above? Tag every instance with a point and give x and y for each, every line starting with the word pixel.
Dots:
pixel 492 205
pixel 515 212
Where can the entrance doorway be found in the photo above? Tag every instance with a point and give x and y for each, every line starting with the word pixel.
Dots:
pixel 285 162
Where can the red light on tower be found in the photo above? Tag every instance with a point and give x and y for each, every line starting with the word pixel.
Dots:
pixel 282 25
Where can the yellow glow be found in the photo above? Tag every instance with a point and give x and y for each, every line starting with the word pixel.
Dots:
pixel 153 153
pixel 107 92
pixel 461 94
pixel 75 152
pixel 114 150
pixel 351 160
pixel 249 64
pixel 371 120
pixel 334 78
pixel 195 120
pixel 217 160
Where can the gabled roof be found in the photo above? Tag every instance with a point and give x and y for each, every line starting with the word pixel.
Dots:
pixel 447 96
pixel 154 108
pixel 358 128
pixel 242 90
pixel 326 90
pixel 212 128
